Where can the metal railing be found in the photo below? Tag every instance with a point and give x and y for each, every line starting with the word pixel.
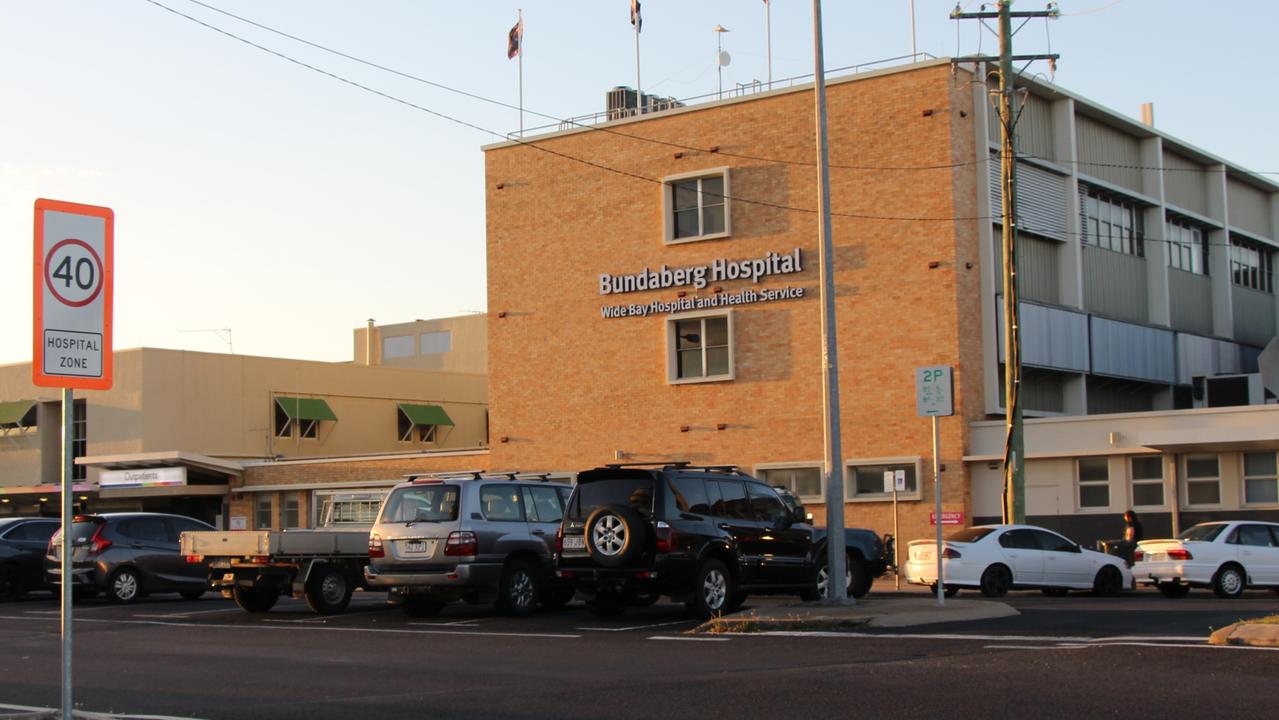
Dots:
pixel 741 90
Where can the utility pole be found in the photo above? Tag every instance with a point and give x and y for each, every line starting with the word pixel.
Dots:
pixel 1014 495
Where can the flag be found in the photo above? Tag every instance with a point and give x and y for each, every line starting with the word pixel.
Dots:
pixel 514 38
pixel 636 20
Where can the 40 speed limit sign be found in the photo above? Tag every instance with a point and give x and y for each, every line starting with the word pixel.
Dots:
pixel 74 249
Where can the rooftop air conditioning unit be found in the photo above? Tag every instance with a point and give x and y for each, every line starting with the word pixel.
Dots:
pixel 1229 390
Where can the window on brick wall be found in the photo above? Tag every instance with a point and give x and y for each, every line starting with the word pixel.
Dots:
pixel 865 479
pixel 262 511
pixel 697 206
pixel 699 347
pixel 804 480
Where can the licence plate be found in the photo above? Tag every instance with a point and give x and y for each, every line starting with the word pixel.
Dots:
pixel 1156 556
pixel 574 542
pixel 419 547
pixel 923 554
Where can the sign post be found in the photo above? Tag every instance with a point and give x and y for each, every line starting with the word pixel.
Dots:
pixel 934 397
pixel 896 480
pixel 73 265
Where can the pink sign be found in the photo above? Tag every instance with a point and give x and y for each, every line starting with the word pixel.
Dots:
pixel 947 518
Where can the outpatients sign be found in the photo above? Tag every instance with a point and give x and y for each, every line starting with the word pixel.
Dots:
pixel 74 251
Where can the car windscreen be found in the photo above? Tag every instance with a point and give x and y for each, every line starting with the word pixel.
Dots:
pixel 634 492
pixel 1202 533
pixel 970 535
pixel 422 503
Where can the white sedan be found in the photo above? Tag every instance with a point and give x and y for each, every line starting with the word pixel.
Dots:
pixel 999 558
pixel 1225 556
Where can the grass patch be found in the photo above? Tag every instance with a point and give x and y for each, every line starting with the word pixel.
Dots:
pixel 1268 620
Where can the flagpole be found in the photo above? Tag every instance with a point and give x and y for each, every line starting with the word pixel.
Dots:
pixel 639 93
pixel 521 70
pixel 768 32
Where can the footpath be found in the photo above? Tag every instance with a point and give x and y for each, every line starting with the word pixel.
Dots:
pixel 1257 633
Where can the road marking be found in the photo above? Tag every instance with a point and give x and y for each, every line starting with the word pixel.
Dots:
pixel 317 628
pixel 638 627
pixel 689 639
pixel 187 613
pixel 87 714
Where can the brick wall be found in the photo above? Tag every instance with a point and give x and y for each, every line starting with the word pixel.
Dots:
pixel 569 389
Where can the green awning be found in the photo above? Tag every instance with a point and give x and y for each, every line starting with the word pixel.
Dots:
pixel 305 408
pixel 14 413
pixel 425 414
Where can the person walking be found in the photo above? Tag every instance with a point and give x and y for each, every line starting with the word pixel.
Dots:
pixel 1132 528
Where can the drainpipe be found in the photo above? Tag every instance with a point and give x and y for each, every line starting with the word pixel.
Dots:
pixel 368 344
pixel 1176 496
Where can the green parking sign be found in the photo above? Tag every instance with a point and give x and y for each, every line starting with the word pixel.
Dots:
pixel 934 395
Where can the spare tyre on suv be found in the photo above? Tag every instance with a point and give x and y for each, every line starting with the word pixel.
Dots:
pixel 704 536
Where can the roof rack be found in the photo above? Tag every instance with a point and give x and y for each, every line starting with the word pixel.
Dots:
pixel 682 465
pixel 510 475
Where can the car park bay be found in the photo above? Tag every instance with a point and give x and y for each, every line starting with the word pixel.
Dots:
pixel 208 659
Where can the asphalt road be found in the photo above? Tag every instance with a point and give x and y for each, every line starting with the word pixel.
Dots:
pixel 1062 657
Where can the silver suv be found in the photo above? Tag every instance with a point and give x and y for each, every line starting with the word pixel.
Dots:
pixel 477 536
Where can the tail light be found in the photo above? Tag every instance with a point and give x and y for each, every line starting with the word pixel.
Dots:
pixel 1180 554
pixel 950 553
pixel 97 543
pixel 664 537
pixel 375 546
pixel 195 559
pixel 559 540
pixel 461 543
pixel 1138 555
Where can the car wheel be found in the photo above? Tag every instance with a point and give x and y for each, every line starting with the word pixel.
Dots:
pixel 646 599
pixel 607 605
pixel 328 591
pixel 713 590
pixel 191 594
pixel 10 583
pixel 1229 582
pixel 518 591
pixel 860 580
pixel 996 581
pixel 557 597
pixel 124 586
pixel 1174 589
pixel 1108 582
pixel 947 590
pixel 255 599
pixel 615 535
pixel 420 606
pixel 1055 592
pixel 821 580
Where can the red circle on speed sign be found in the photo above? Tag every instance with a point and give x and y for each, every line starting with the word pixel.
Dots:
pixel 78 268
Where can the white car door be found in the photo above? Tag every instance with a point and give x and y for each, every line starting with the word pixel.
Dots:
pixel 1065 565
pixel 1258 552
pixel 1021 552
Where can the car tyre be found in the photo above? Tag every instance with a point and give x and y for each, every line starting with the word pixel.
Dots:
pixel 124 586
pixel 947 590
pixel 615 535
pixel 646 599
pixel 11 585
pixel 256 598
pixel 517 594
pixel 818 590
pixel 191 594
pixel 557 597
pixel 1108 582
pixel 421 606
pixel 1055 592
pixel 996 581
pixel 1174 589
pixel 713 590
pixel 328 590
pixel 1229 582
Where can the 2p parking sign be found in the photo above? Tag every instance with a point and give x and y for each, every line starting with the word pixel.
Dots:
pixel 73 258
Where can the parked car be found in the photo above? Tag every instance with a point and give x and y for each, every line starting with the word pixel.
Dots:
pixel 478 537
pixel 22 544
pixel 999 558
pixel 704 536
pixel 1228 557
pixel 128 555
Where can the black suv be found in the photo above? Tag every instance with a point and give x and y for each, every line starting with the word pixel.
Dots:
pixel 703 535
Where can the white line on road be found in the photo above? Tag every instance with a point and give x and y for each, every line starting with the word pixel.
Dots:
pixel 638 627
pixel 316 628
pixel 188 613
pixel 690 639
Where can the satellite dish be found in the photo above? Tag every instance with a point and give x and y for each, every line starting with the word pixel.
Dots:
pixel 724 58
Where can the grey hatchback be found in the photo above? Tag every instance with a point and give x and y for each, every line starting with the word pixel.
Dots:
pixel 128 555
pixel 478 537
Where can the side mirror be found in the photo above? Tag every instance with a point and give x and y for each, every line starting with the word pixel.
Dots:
pixel 797 515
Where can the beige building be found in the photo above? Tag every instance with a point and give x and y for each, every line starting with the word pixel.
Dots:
pixel 454 344
pixel 178 428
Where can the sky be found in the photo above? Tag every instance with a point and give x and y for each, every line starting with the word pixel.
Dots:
pixel 267 208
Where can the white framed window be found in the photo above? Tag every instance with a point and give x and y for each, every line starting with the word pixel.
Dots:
pixel 1260 481
pixel 262 511
pixel 1148 481
pixel 697 206
pixel 1203 480
pixel 1251 264
pixel 803 479
pixel 397 347
pixel 337 507
pixel 864 478
pixel 1112 222
pixel 1094 483
pixel 699 347
pixel 291 509
pixel 436 342
pixel 1186 248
